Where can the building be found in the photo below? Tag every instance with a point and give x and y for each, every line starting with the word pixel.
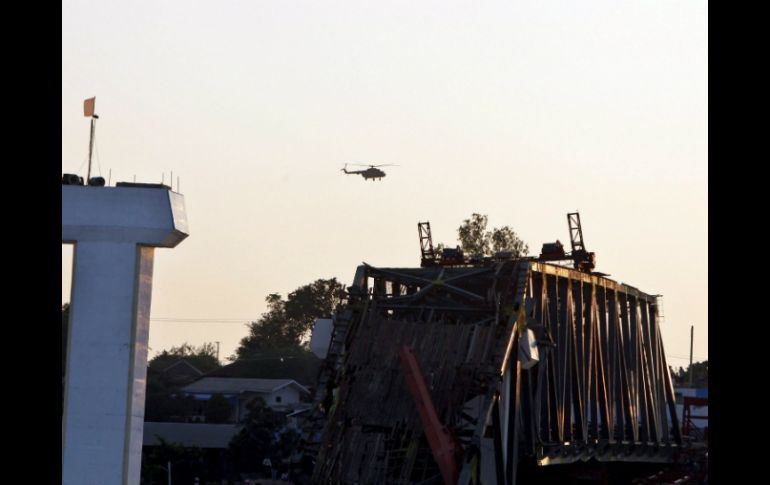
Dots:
pixel 177 374
pixel 698 413
pixel 282 395
pixel 279 394
pixel 115 231
pixel 200 435
pixel 300 366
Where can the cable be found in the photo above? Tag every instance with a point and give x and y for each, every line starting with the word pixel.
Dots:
pixel 694 357
pixel 85 159
pixel 686 359
pixel 204 320
pixel 98 163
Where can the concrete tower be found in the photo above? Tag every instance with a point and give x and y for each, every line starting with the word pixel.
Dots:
pixel 115 231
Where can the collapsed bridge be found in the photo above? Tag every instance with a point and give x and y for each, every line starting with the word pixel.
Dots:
pixel 522 365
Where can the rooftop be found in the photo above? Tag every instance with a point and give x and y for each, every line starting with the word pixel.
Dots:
pixel 190 434
pixel 237 385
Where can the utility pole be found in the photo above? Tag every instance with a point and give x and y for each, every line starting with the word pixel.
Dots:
pixel 692 334
pixel 89 106
pixel 217 351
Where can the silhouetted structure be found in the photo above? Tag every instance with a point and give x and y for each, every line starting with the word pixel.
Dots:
pixel 528 365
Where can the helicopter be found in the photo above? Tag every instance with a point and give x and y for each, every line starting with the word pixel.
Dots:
pixel 370 173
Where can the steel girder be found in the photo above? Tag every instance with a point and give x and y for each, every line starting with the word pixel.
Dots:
pixel 600 390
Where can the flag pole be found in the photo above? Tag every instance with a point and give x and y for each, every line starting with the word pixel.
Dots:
pixel 89 107
pixel 90 151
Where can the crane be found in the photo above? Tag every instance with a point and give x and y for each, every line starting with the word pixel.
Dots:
pixel 582 260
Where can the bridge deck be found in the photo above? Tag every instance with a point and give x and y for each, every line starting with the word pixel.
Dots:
pixel 600 389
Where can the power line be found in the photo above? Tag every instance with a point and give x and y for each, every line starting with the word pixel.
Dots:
pixel 686 357
pixel 203 320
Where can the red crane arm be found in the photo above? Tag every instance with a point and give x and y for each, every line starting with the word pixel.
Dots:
pixel 441 440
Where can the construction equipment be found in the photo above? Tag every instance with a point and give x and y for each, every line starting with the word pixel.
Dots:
pixel 453 257
pixel 459 335
pixel 553 252
pixel 426 245
pixel 447 256
pixel 442 441
pixel 582 259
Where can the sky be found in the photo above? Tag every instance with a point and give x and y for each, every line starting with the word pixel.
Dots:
pixel 522 111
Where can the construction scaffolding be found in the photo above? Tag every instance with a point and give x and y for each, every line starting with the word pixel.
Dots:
pixel 527 364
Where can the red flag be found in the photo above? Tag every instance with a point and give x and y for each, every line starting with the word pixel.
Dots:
pixel 88 106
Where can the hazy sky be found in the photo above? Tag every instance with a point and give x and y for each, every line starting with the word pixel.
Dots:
pixel 520 110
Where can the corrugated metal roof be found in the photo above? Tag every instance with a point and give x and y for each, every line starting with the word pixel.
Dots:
pixel 235 385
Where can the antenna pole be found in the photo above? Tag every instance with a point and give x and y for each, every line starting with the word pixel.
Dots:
pixel 90 150
pixel 692 335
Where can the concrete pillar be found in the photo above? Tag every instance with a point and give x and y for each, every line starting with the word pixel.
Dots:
pixel 115 231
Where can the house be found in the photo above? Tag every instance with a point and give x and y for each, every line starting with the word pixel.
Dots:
pixel 301 366
pixel 280 394
pixel 698 413
pixel 295 419
pixel 180 373
pixel 204 436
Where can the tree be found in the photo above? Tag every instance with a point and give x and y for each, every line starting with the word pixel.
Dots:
pixel 263 436
pixel 286 323
pixel 217 410
pixel 316 300
pixel 476 241
pixel 700 374
pixel 163 402
pixel 504 239
pixel 271 331
pixel 296 363
pixel 204 358
pixel 187 462
pixel 473 235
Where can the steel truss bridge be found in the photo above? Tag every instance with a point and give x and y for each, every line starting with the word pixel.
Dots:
pixel 600 388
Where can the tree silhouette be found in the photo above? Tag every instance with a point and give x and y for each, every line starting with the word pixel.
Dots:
pixel 204 358
pixel 476 241
pixel 286 323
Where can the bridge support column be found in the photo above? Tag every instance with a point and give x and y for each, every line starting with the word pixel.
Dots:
pixel 115 231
